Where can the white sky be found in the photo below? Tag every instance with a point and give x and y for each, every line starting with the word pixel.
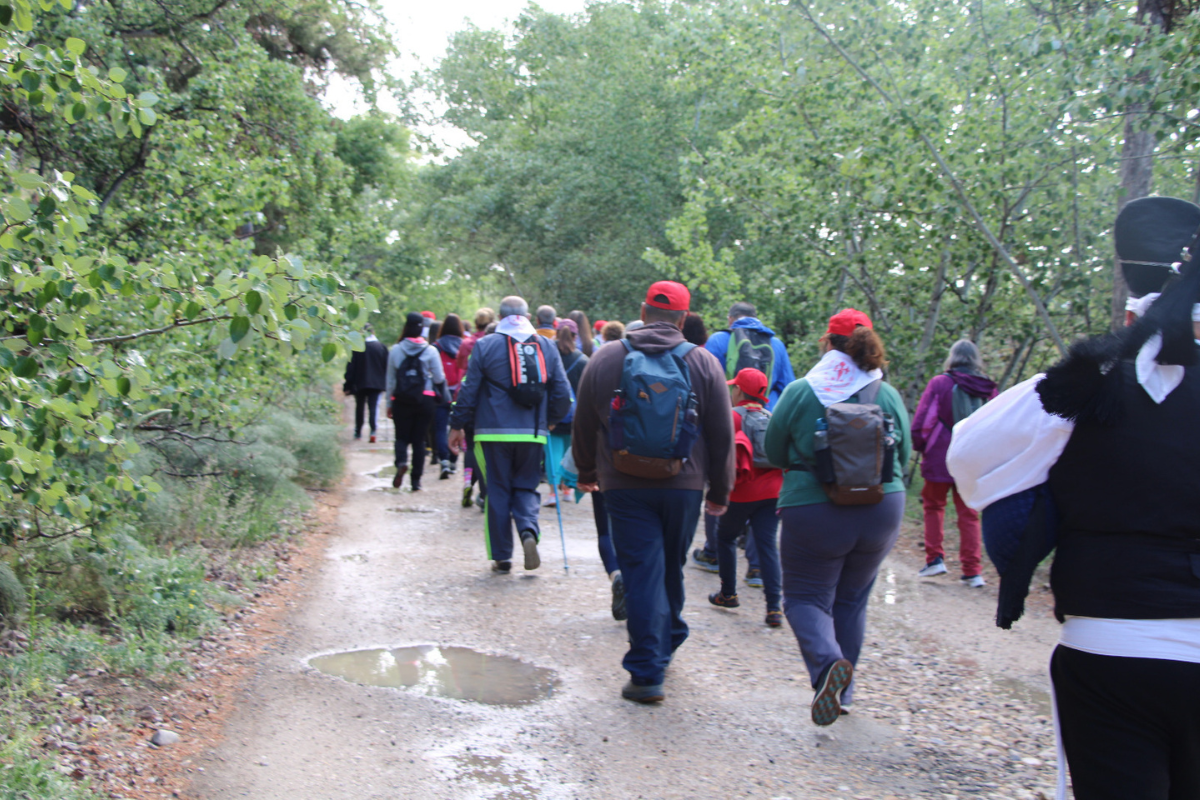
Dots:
pixel 422 31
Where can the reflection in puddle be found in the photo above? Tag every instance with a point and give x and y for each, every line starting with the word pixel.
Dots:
pixel 889 591
pixel 456 672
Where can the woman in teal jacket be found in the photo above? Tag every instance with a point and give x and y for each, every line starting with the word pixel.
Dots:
pixel 830 554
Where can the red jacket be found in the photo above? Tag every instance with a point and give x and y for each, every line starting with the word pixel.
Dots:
pixel 752 483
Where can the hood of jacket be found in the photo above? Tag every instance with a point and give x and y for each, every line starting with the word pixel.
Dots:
pixel 657 337
pixel 449 345
pixel 410 347
pixel 753 324
pixel 974 385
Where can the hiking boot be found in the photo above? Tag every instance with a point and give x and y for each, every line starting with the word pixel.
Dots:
pixel 481 501
pixel 529 545
pixel 724 601
pixel 642 694
pixel 445 470
pixel 619 610
pixel 503 567
pixel 704 561
pixel 935 567
pixel 416 487
pixel 467 492
pixel 826 705
pixel 754 578
pixel 398 478
pixel 973 581
pixel 774 618
pixel 372 439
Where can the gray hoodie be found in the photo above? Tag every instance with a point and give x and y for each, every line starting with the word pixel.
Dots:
pixel 431 364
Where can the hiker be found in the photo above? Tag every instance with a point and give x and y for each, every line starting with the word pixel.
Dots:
pixel 547 321
pixel 514 390
pixel 559 440
pixel 584 336
pixel 694 329
pixel 366 378
pixel 948 399
pixel 483 318
pixel 416 385
pixel 752 502
pixel 749 343
pixel 427 320
pixel 1109 435
pixel 653 472
pixel 472 474
pixel 613 331
pixel 448 343
pixel 830 550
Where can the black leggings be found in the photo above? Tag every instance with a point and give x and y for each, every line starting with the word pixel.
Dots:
pixel 412 426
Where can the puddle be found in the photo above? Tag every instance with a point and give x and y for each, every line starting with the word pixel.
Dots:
pixel 360 558
pixel 1019 689
pixel 456 672
pixel 383 472
pixel 388 489
pixel 492 771
pixel 413 510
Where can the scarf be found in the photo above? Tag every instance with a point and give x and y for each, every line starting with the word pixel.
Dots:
pixel 836 377
pixel 516 327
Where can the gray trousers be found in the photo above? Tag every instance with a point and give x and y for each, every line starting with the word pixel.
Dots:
pixel 830 556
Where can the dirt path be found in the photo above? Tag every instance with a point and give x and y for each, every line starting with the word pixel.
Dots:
pixel 950 706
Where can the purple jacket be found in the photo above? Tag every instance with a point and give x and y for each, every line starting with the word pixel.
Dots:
pixel 934 419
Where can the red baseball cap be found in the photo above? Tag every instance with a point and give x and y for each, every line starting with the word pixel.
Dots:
pixel 428 315
pixel 600 323
pixel 669 295
pixel 752 382
pixel 845 321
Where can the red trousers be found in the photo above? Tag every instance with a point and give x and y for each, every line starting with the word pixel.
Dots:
pixel 933 500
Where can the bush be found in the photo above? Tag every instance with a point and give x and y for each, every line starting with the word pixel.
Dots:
pixel 12 593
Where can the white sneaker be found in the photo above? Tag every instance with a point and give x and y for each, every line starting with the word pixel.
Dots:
pixel 973 581
pixel 935 567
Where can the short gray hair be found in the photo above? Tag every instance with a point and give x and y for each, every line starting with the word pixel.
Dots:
pixel 742 309
pixel 546 316
pixel 513 305
pixel 964 357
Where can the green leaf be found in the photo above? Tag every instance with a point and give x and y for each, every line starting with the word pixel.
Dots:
pixel 6 15
pixel 31 80
pixel 291 312
pixel 193 310
pixel 147 98
pixel 239 326
pixel 352 311
pixel 124 385
pixel 7 359
pixel 116 74
pixel 26 367
pixel 328 352
pixel 28 180
pixel 76 46
pixel 17 210
pixel 79 111
pixel 253 301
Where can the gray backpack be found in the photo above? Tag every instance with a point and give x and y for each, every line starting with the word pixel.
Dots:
pixel 855 450
pixel 754 425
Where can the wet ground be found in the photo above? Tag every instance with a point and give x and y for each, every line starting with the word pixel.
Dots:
pixel 410 670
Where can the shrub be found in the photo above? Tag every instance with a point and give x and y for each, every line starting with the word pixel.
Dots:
pixel 12 593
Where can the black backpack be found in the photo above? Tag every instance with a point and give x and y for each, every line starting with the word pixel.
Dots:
pixel 962 404
pixel 750 349
pixel 527 372
pixel 410 380
pixel 754 425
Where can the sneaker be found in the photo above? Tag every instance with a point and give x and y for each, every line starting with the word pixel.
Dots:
pixel 481 501
pixel 619 611
pixel 724 601
pixel 754 578
pixel 398 478
pixel 503 567
pixel 445 470
pixel 826 705
pixel 973 581
pixel 372 439
pixel 529 545
pixel 467 492
pixel 705 561
pixel 642 694
pixel 775 619
pixel 416 487
pixel 935 567
pixel 357 436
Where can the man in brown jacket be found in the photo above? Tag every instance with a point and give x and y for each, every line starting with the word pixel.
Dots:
pixel 653 520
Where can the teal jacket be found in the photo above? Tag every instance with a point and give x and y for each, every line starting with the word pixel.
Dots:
pixel 789 441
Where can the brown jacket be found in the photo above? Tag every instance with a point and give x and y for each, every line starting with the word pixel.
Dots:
pixel 712 458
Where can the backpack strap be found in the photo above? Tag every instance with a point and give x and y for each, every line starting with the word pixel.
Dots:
pixel 868 393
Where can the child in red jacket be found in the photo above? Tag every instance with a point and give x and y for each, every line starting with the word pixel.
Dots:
pixel 753 498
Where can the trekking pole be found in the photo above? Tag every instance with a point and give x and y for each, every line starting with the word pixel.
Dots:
pixel 558 510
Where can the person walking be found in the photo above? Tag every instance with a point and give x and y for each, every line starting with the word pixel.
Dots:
pixel 416 385
pixel 366 379
pixel 753 500
pixel 547 321
pixel 948 399
pixel 613 331
pixel 448 343
pixel 831 553
pixel 485 318
pixel 515 389
pixel 654 501
pixel 584 335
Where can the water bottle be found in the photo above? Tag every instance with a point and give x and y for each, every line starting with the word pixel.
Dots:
pixel 823 455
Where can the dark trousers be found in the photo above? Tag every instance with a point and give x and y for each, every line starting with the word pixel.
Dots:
pixel 368 400
pixel 513 471
pixel 710 541
pixel 472 463
pixel 441 434
pixel 651 531
pixel 412 424
pixel 831 555
pixel 764 523
pixel 1130 726
pixel 608 555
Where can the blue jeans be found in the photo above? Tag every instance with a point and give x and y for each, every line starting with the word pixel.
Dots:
pixel 710 542
pixel 608 555
pixel 441 434
pixel 763 525
pixel 651 531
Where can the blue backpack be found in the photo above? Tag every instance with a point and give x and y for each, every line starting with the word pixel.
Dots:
pixel 653 419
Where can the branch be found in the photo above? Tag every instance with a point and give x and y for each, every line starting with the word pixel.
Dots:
pixel 129 337
pixel 1000 249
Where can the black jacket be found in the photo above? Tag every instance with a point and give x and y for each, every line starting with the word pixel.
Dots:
pixel 367 371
